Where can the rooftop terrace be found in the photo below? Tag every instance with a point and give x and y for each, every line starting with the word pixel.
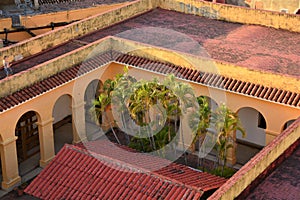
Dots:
pixel 48 7
pixel 282 183
pixel 254 47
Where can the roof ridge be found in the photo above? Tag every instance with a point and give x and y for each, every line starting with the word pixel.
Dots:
pixel 136 168
pixel 205 78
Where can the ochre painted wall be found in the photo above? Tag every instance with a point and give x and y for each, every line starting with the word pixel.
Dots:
pixel 275 5
pixel 46 19
pixel 249 172
pixel 63 34
pixel 206 65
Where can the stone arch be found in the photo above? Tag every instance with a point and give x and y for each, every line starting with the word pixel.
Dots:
pixel 62 121
pixel 287 124
pixel 254 123
pixel 212 103
pixel 28 141
pixel 92 92
pixel 297 12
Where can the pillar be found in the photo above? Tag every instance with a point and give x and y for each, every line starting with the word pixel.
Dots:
pixel 231 152
pixel 186 133
pixel 231 155
pixel 36 4
pixel 78 122
pixel 270 135
pixel 9 162
pixel 46 141
pixel 107 119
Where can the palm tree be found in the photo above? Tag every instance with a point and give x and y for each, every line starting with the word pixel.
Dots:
pixel 186 99
pixel 226 123
pixel 101 104
pixel 146 94
pixel 120 95
pixel 202 118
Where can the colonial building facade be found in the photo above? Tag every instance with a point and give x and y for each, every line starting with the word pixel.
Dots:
pixel 40 96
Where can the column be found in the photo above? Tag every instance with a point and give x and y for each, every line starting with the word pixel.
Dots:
pixel 46 141
pixel 270 135
pixel 78 122
pixel 107 119
pixel 186 133
pixel 231 155
pixel 36 4
pixel 9 162
pixel 231 152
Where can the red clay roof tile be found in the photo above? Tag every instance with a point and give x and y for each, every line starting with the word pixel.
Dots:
pixel 209 79
pixel 86 171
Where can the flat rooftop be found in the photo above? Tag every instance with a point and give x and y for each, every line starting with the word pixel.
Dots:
pixel 10 10
pixel 282 183
pixel 254 47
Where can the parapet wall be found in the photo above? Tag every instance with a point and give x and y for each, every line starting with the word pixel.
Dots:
pixel 259 163
pixel 62 16
pixel 205 64
pixel 65 61
pixel 35 21
pixel 63 34
pixel 235 14
pixel 51 67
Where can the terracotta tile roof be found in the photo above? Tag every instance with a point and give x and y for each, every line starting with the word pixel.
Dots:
pixel 208 79
pixel 81 173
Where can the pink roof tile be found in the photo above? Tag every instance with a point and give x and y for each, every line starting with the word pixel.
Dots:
pixel 103 170
pixel 208 79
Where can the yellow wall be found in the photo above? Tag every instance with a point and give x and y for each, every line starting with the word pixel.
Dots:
pixel 275 114
pixel 206 65
pixel 217 11
pixel 276 5
pixel 234 13
pixel 50 67
pixel 238 182
pixel 63 34
pixel 46 19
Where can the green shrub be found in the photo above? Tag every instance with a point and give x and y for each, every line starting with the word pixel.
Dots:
pixel 227 173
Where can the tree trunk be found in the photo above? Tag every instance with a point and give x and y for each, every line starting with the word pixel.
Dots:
pixel 112 129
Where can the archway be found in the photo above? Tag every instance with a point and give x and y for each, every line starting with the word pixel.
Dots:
pixel 298 12
pixel 287 124
pixel 255 125
pixel 91 93
pixel 28 145
pixel 62 124
pixel 212 103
